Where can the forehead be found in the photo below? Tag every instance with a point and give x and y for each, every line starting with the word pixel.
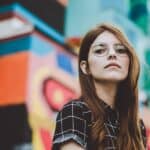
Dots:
pixel 107 38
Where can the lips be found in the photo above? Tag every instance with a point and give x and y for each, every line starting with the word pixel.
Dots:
pixel 111 65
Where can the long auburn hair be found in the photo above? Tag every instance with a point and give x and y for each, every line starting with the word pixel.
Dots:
pixel 126 101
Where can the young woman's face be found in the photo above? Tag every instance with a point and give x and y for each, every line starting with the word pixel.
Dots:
pixel 108 59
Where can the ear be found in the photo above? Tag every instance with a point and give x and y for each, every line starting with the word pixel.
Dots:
pixel 84 67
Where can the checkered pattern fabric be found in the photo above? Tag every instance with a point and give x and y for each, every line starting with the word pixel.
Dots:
pixel 74 122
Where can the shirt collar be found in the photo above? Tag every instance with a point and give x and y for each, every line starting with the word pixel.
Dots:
pixel 107 107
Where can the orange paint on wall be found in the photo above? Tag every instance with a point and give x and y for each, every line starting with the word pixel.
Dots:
pixel 13 78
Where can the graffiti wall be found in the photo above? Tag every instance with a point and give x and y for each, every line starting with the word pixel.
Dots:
pixel 39 72
pixel 52 82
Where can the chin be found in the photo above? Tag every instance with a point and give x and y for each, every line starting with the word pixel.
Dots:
pixel 111 77
pixel 115 78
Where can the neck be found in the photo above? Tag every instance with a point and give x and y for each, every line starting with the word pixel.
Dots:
pixel 107 92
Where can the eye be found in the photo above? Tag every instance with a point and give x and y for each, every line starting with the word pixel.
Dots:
pixel 121 50
pixel 100 51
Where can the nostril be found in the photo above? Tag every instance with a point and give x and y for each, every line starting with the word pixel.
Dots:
pixel 112 56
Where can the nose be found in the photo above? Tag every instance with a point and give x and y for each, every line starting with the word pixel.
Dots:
pixel 112 53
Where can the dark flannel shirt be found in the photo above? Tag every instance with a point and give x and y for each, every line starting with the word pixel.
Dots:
pixel 74 122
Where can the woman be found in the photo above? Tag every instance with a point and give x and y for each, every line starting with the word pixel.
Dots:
pixel 106 116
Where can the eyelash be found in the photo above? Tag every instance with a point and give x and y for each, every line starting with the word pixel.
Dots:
pixel 98 50
pixel 119 50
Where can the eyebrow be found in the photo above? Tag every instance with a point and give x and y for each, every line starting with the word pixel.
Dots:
pixel 120 44
pixel 100 44
pixel 104 44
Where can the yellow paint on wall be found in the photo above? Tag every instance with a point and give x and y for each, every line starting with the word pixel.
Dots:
pixel 37 99
pixel 37 143
pixel 41 122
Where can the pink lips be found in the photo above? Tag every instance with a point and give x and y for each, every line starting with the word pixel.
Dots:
pixel 111 65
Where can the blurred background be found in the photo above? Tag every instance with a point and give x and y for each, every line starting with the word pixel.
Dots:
pixel 39 43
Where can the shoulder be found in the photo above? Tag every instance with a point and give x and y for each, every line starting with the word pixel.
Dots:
pixel 143 132
pixel 71 124
pixel 76 104
pixel 76 108
pixel 142 127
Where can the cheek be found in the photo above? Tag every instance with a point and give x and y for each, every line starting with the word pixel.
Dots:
pixel 95 64
pixel 126 64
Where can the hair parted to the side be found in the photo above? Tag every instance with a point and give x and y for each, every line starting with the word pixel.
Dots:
pixel 126 102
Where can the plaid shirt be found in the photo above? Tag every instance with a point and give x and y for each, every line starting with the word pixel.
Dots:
pixel 74 123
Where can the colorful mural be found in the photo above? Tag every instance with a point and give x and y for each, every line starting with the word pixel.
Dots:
pixel 52 82
pixel 39 71
pixel 39 74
